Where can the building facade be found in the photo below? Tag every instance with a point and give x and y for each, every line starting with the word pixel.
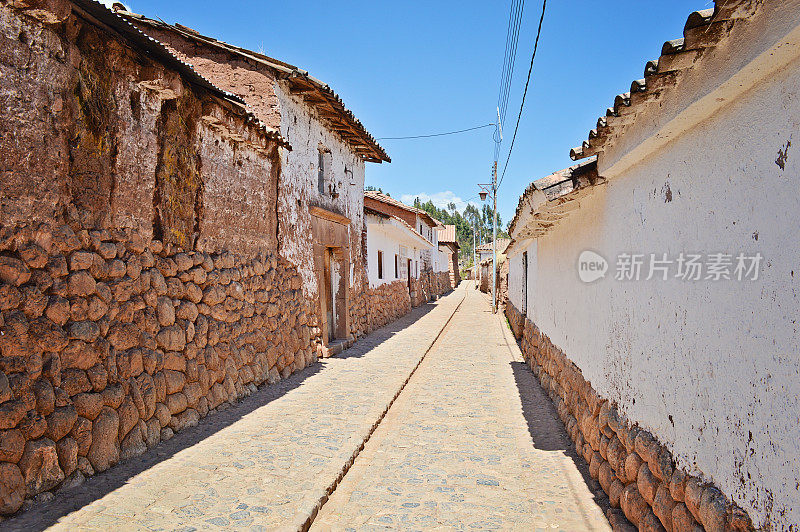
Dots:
pixel 420 264
pixel 655 287
pixel 448 254
pixel 320 190
pixel 161 241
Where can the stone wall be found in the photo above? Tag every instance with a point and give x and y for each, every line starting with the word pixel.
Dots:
pixel 636 471
pixel 140 283
pixel 516 320
pixel 110 343
pixel 386 303
pixel 300 123
pixel 429 284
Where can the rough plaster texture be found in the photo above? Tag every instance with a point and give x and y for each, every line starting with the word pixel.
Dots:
pixel 300 239
pixel 633 467
pixel 708 367
pixel 298 189
pixel 87 127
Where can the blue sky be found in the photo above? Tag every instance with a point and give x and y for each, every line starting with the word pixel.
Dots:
pixel 421 67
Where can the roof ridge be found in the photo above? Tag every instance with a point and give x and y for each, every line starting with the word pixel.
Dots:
pixel 703 30
pixel 291 73
pixel 121 24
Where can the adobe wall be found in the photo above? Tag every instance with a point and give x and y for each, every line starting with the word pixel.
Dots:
pixel 298 191
pixel 140 283
pixel 707 365
pixel 274 104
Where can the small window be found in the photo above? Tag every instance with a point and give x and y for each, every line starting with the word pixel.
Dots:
pixel 380 265
pixel 321 172
pixel 396 272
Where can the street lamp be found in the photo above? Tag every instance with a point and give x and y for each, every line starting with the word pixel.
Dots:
pixel 485 191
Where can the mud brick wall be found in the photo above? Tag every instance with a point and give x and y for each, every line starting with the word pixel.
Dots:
pixel 88 120
pixel 111 343
pixel 637 472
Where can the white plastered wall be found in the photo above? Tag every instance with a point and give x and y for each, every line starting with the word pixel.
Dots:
pixel 711 368
pixel 305 132
pixel 384 235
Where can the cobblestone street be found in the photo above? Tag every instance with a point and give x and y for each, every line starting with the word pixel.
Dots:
pixel 458 449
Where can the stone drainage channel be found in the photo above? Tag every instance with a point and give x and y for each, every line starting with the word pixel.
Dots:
pixel 349 464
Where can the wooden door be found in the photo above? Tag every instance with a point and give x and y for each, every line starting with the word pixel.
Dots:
pixel 525 283
pixel 327 291
pixel 409 276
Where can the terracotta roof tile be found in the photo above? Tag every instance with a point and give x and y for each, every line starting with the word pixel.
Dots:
pixel 703 29
pixel 448 234
pixel 384 198
pixel 324 98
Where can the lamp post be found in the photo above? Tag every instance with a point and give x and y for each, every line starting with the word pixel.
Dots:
pixel 493 193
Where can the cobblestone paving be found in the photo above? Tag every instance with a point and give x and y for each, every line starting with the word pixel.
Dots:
pixel 265 463
pixel 461 450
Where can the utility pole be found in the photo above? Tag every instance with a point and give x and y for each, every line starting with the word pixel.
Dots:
pixel 494 239
pixel 484 193
pixel 473 244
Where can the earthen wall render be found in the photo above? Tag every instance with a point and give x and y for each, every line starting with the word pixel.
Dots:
pixel 708 367
pixel 111 339
pixel 299 123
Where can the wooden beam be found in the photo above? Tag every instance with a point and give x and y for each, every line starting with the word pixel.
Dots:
pixel 335 217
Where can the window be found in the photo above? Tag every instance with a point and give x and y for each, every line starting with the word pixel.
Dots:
pixel 380 265
pixel 396 272
pixel 321 171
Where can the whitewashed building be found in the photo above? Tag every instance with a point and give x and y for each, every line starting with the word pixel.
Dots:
pixel 656 288
pixel 406 237
pixel 394 248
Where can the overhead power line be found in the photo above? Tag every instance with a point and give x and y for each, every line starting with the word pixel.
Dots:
pixel 525 92
pixel 507 71
pixel 509 59
pixel 437 134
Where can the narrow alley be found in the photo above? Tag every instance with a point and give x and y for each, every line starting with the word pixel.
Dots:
pixel 457 448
